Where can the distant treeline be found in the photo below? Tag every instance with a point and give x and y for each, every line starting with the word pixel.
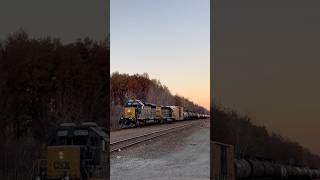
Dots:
pixel 44 82
pixel 254 141
pixel 125 86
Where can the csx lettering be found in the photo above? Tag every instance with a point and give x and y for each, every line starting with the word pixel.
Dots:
pixel 61 165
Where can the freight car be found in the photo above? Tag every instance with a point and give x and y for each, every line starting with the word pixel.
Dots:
pixel 177 113
pixel 222 161
pixel 76 152
pixel 224 166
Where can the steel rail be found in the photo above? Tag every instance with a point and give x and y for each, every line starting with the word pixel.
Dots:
pixel 125 143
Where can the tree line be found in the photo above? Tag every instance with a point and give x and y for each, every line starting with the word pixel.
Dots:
pixel 140 86
pixel 255 141
pixel 44 82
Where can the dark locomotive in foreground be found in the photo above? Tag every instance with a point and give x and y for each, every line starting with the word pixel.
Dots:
pixel 76 152
pixel 136 113
pixel 225 167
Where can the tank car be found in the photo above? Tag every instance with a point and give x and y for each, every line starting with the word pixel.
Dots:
pixel 257 168
pixel 243 169
pixel 252 168
pixel 269 169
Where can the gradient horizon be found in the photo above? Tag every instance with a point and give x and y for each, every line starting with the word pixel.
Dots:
pixel 168 39
pixel 266 65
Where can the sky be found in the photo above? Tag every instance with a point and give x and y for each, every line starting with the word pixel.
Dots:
pixel 266 65
pixel 67 20
pixel 168 39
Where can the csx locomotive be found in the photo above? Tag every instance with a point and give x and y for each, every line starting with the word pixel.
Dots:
pixel 136 113
pixel 225 166
pixel 77 152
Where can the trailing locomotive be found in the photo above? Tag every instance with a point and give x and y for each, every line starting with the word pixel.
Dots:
pixel 136 113
pixel 76 152
pixel 224 166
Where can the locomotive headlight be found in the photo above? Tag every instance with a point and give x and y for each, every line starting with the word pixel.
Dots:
pixel 129 110
pixel 61 155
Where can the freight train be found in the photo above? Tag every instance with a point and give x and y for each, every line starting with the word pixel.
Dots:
pixel 75 152
pixel 136 113
pixel 225 167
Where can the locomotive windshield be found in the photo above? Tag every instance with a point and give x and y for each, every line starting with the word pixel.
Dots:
pixel 70 137
pixel 133 104
pixel 80 137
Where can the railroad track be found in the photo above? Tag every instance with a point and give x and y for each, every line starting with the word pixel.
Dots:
pixel 125 143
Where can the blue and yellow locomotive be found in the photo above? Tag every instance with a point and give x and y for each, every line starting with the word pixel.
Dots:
pixel 136 113
pixel 76 152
